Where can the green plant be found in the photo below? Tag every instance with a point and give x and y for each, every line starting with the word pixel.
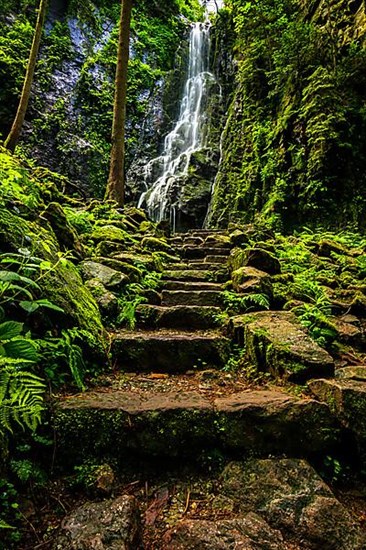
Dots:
pixel 235 303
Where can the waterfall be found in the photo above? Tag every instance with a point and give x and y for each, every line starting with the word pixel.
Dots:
pixel 189 134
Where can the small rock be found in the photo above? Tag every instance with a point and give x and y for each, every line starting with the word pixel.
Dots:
pixel 352 373
pixel 108 525
pixel 238 238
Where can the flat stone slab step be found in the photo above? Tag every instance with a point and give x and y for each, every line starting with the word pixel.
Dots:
pixel 192 252
pixel 192 298
pixel 181 423
pixel 183 285
pixel 200 265
pixel 169 351
pixel 179 317
pixel 187 275
pixel 215 259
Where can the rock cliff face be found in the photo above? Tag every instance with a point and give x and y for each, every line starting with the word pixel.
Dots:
pixel 293 146
pixel 68 124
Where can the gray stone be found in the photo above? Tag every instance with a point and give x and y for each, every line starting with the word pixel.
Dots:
pixel 109 277
pixel 109 525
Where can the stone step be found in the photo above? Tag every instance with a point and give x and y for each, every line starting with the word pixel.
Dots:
pixel 176 423
pixel 169 351
pixel 193 241
pixel 189 265
pixel 207 232
pixel 215 260
pixel 191 298
pixel 183 285
pixel 196 252
pixel 187 275
pixel 179 317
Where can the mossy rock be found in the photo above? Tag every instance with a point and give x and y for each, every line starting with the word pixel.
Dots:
pixel 111 233
pixel 275 341
pixel 154 244
pixel 107 248
pixel 64 287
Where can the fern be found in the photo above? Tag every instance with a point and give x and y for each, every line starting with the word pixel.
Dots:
pixel 21 398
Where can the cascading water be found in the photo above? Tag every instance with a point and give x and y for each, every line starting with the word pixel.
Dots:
pixel 188 135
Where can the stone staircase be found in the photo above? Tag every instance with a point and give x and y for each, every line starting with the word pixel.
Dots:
pixel 174 406
pixel 180 401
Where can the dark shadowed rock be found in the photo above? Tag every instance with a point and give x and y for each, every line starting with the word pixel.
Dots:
pixel 347 399
pixel 246 533
pixel 291 496
pixel 263 260
pixel 108 525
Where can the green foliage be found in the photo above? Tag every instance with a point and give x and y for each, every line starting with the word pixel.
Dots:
pixel 9 513
pixel 236 304
pixel 292 154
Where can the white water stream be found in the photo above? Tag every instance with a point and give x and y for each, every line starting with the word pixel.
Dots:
pixel 188 135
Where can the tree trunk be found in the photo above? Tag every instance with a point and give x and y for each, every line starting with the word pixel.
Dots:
pixel 116 182
pixel 14 134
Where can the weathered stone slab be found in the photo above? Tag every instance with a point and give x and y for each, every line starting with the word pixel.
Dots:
pixel 168 351
pixel 184 285
pixel 192 252
pixel 291 497
pixel 347 400
pixel 108 525
pixel 192 298
pixel 271 421
pixel 178 317
pixel 250 532
pixel 184 423
pixel 115 424
pixel 276 342
pixel 187 275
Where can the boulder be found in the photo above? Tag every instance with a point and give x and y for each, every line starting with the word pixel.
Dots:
pixel 152 243
pixel 276 342
pixel 108 525
pixel 110 233
pixel 109 277
pixel 250 532
pixel 291 497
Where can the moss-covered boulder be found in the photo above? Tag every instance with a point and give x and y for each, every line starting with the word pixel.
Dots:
pixel 274 341
pixel 106 300
pixel 155 244
pixel 110 233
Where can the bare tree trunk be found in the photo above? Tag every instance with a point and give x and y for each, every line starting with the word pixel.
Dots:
pixel 13 137
pixel 116 181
